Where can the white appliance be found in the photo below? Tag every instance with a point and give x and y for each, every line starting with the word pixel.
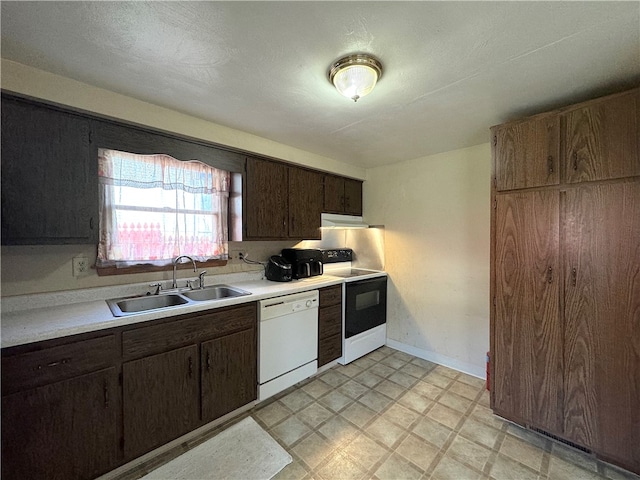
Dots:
pixel 288 346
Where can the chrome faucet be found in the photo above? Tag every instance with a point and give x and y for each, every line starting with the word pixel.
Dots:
pixel 174 284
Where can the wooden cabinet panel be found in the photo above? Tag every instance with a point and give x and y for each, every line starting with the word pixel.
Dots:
pixel 330 296
pixel 527 341
pixel 329 349
pixel 601 139
pixel 305 203
pixel 266 202
pixel 342 195
pixel 527 153
pixel 160 399
pixel 229 373
pixel 329 321
pixel 333 194
pixel 49 176
pixel 330 324
pixel 49 365
pixel 188 329
pixel 602 336
pixel 63 430
pixel 352 197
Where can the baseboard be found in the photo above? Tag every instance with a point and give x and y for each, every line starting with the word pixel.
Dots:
pixel 440 359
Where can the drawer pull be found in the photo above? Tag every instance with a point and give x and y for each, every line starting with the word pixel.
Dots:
pixel 64 361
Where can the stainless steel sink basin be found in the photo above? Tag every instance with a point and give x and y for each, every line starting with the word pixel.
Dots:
pixel 120 307
pixel 214 292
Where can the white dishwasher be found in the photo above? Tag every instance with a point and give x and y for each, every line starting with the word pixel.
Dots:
pixel 288 346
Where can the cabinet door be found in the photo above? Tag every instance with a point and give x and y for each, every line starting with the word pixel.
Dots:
pixel 526 350
pixel 333 194
pixel 602 313
pixel 305 203
pixel 601 139
pixel 229 373
pixel 63 430
pixel 352 197
pixel 49 176
pixel 160 399
pixel 526 153
pixel 266 203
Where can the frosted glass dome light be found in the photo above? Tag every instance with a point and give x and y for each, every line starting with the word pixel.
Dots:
pixel 355 76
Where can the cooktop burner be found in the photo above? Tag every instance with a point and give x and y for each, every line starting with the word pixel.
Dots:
pixel 354 272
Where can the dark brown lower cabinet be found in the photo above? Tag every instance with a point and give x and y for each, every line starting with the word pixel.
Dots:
pixel 63 430
pixel 160 399
pixel 229 373
pixel 330 324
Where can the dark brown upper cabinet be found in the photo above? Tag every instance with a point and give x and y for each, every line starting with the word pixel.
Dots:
pixel 281 201
pixel 601 139
pixel 527 153
pixel 342 195
pixel 49 176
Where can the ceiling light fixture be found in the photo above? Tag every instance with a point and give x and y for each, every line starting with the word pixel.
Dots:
pixel 354 76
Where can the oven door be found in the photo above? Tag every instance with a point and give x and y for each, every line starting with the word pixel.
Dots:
pixel 365 305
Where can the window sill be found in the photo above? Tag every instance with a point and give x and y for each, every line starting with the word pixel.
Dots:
pixel 106 271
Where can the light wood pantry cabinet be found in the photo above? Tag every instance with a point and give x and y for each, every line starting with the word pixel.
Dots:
pixel 565 280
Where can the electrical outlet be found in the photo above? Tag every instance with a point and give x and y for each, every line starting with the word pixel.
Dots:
pixel 80 266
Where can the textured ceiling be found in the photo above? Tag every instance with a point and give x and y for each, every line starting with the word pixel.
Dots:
pixel 451 69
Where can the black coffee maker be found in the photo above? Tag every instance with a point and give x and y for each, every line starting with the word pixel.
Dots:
pixel 305 262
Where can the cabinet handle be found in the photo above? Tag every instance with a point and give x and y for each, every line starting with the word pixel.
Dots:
pixel 550 163
pixel 550 275
pixel 208 361
pixel 293 224
pixel 574 276
pixel 64 361
pixel 190 367
pixel 106 395
pixel 575 160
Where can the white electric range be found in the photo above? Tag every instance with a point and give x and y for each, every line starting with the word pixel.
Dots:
pixel 364 304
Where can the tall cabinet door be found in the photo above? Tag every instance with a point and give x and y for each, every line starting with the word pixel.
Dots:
pixel 266 201
pixel 305 203
pixel 527 333
pixel 602 315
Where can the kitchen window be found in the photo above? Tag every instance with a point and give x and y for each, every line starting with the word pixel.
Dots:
pixel 154 208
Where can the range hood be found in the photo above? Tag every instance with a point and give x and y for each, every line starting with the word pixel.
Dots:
pixel 330 220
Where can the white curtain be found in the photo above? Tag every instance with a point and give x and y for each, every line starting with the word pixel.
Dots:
pixel 154 208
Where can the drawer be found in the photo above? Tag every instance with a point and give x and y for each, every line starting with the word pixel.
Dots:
pixel 330 321
pixel 33 369
pixel 330 296
pixel 329 349
pixel 186 330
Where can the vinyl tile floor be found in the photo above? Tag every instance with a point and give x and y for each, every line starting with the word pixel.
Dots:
pixel 390 415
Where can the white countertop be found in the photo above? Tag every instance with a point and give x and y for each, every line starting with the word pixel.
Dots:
pixel 33 318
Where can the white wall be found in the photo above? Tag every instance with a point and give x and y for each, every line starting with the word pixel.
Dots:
pixel 436 213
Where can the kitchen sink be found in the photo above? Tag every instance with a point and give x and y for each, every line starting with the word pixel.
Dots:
pixel 121 307
pixel 143 304
pixel 214 292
